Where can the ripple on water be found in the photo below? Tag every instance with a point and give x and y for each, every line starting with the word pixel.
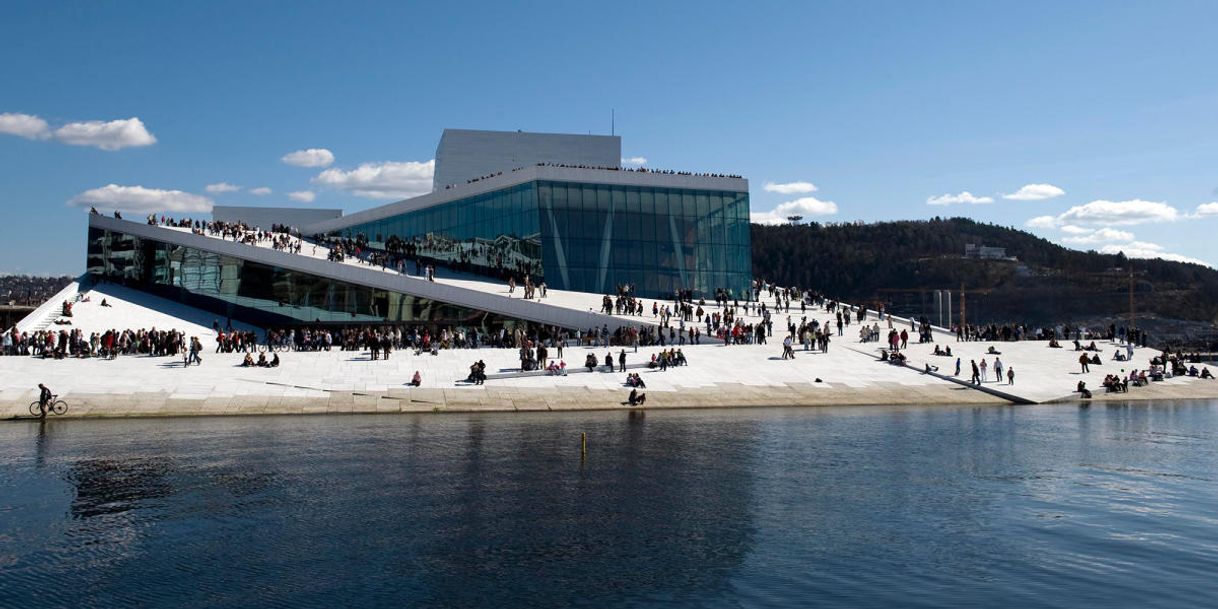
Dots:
pixel 885 507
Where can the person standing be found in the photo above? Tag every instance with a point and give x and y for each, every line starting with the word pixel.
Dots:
pixel 998 370
pixel 1083 361
pixel 976 379
pixel 1011 376
pixel 621 360
pixel 195 348
pixel 44 400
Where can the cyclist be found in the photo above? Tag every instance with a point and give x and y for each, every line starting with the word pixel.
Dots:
pixel 44 400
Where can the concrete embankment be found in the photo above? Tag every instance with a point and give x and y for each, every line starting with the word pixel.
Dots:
pixel 301 400
pixel 500 399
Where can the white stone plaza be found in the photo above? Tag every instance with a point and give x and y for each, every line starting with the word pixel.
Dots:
pixel 349 381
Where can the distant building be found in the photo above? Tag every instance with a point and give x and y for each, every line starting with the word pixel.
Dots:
pixel 981 252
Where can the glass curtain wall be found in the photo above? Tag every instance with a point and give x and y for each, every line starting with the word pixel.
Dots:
pixel 494 233
pixel 587 237
pixel 598 237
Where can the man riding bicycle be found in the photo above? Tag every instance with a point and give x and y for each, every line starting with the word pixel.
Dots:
pixel 44 400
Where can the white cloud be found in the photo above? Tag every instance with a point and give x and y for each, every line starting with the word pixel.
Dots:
pixel 387 180
pixel 219 187
pixel 260 191
pixel 1142 249
pixel 1109 213
pixel 790 188
pixel 1069 228
pixel 1102 235
pixel 137 199
pixel 1119 213
pixel 1207 209
pixel 803 206
pixel 304 196
pixel 313 157
pixel 107 135
pixel 1035 192
pixel 964 197
pixel 634 160
pixel 27 126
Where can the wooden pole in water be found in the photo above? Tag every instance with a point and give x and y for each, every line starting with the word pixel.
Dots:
pixel 583 444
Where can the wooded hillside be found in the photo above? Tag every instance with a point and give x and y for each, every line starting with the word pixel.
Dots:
pixel 902 263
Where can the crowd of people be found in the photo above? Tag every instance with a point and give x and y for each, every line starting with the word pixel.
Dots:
pixel 30 290
pixel 640 170
pixel 1161 367
pixel 279 237
pixel 1067 332
pixel 75 343
pixel 229 340
pixel 387 338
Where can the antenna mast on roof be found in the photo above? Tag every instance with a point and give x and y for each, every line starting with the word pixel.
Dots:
pixel 612 121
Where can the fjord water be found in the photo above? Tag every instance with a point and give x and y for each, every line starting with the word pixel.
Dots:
pixel 1046 506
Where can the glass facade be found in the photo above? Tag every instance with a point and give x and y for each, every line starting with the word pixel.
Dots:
pixel 493 233
pixel 260 293
pixel 587 237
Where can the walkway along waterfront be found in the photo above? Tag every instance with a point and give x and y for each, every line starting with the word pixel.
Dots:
pixel 349 381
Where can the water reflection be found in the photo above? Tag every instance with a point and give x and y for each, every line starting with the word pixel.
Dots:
pixel 1036 507
pixel 113 486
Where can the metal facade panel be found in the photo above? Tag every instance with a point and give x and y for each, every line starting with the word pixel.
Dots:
pixel 465 154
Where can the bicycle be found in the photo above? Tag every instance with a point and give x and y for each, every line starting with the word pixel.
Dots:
pixel 55 406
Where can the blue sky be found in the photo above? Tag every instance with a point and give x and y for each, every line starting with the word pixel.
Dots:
pixel 881 108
